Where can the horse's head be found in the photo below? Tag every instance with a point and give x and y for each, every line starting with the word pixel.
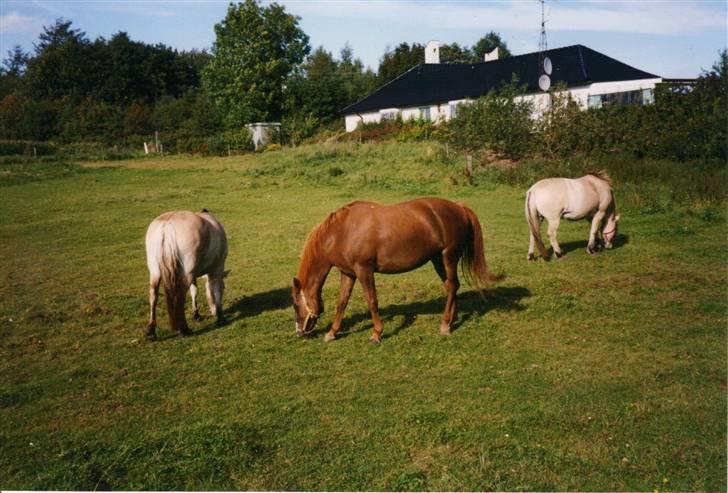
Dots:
pixel 307 309
pixel 610 230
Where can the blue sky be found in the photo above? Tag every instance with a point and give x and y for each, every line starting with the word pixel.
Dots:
pixel 668 38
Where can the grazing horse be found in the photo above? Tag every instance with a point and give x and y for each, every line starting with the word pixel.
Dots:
pixel 364 237
pixel 589 197
pixel 182 246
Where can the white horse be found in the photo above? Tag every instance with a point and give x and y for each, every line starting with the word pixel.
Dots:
pixel 589 197
pixel 182 246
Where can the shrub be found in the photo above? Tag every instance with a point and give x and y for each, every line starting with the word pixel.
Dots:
pixel 498 121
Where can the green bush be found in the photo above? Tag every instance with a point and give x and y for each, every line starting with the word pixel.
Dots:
pixel 498 121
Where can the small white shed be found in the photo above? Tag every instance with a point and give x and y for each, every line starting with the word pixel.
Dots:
pixel 264 133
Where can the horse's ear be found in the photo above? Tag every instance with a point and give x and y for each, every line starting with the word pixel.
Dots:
pixel 296 284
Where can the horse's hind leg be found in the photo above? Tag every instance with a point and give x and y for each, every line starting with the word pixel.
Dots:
pixel 446 267
pixel 150 332
pixel 553 226
pixel 347 284
pixel 531 247
pixel 214 288
pixel 366 278
pixel 193 295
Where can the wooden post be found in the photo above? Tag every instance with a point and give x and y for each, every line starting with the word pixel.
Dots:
pixel 161 149
pixel 146 148
pixel 469 166
pixel 156 140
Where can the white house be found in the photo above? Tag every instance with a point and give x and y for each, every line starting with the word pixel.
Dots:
pixel 432 90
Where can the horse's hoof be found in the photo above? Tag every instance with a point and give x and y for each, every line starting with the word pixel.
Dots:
pixel 196 316
pixel 374 340
pixel 559 254
pixel 329 337
pixel 221 321
pixel 185 332
pixel 531 257
pixel 150 336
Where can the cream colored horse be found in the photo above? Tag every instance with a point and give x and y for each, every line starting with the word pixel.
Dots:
pixel 589 197
pixel 182 246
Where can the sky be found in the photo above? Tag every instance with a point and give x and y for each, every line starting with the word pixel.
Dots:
pixel 673 39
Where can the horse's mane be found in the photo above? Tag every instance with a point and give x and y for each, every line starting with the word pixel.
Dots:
pixel 602 175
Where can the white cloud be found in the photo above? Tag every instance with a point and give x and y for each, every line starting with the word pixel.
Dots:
pixel 18 23
pixel 657 17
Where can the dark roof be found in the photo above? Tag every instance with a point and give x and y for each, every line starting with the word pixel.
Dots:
pixel 439 82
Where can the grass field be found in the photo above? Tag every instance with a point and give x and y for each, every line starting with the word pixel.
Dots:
pixel 587 373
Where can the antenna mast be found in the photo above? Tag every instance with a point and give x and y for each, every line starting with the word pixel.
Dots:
pixel 542 44
pixel 544 62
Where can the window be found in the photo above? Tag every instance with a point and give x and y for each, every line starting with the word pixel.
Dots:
pixel 640 96
pixel 389 115
pixel 425 113
pixel 453 110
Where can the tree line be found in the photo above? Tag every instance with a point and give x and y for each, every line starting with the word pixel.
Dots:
pixel 261 67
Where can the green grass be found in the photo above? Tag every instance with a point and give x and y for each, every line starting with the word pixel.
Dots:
pixel 587 373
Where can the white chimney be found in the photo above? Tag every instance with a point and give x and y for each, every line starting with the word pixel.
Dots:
pixel 432 52
pixel 493 55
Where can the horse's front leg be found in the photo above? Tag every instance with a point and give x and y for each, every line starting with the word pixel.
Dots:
pixel 366 278
pixel 347 284
pixel 596 222
pixel 151 333
pixel 193 295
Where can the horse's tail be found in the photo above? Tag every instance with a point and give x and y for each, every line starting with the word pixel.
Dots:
pixel 534 225
pixel 474 267
pixel 173 280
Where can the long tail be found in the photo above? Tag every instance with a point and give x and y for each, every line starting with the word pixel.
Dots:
pixel 474 267
pixel 173 282
pixel 534 225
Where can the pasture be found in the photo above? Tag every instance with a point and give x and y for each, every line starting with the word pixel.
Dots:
pixel 603 372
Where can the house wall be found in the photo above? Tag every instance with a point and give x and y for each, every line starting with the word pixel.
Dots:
pixel 443 111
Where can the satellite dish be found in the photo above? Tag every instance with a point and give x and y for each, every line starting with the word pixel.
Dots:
pixel 544 82
pixel 547 66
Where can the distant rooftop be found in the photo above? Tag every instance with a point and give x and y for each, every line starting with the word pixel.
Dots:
pixel 440 82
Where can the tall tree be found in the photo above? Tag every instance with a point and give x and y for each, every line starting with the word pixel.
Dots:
pixel 401 59
pixel 357 81
pixel 255 49
pixel 16 62
pixel 12 70
pixel 488 43
pixel 454 53
pixel 61 65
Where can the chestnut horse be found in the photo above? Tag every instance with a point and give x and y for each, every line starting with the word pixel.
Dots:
pixel 362 238
pixel 182 246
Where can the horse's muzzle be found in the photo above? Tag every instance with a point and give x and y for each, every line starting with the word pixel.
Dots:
pixel 308 325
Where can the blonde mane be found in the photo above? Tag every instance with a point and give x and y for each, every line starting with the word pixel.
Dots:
pixel 602 175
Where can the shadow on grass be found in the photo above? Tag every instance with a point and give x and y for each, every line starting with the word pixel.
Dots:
pixel 470 304
pixel 570 246
pixel 255 304
pixel 247 306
